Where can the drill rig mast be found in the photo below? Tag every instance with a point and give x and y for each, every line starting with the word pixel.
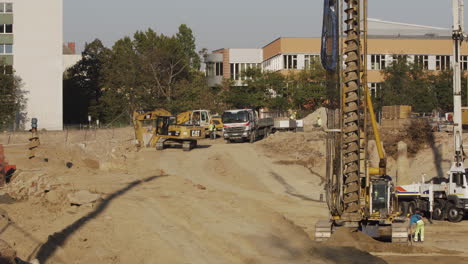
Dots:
pixel 358 196
pixel 458 37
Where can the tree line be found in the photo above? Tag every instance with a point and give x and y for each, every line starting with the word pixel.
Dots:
pixel 151 70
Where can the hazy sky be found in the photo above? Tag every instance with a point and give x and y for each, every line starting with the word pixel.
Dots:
pixel 228 24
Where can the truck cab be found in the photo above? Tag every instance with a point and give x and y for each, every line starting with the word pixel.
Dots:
pixel 245 124
pixel 457 190
pixel 238 124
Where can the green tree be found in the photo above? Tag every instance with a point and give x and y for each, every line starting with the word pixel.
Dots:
pixel 164 63
pixel 187 41
pixel 84 80
pixel 123 91
pixel 442 84
pixel 12 101
pixel 151 71
pixel 407 84
pixel 309 88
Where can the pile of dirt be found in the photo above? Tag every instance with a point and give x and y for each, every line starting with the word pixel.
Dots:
pixel 417 135
pixel 26 184
pixel 307 149
pixel 310 121
pixel 345 237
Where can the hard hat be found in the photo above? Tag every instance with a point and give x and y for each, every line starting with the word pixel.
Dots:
pixel 408 215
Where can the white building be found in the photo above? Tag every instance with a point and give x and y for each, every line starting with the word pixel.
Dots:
pixel 230 64
pixel 33 38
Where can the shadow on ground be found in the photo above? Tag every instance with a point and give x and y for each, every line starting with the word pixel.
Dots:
pixel 58 239
pixel 346 255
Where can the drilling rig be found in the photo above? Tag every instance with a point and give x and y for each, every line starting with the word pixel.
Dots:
pixel 358 196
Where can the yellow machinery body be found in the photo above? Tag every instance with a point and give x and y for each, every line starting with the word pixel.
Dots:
pixel 158 128
pixel 201 118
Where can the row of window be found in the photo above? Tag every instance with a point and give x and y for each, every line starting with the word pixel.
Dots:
pixel 442 62
pixel 237 70
pixel 214 69
pixel 6 7
pixel 6 28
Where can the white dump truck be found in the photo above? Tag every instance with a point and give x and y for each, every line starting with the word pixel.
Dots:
pixel 245 125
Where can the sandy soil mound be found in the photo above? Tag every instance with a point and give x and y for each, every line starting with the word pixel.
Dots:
pixel 311 120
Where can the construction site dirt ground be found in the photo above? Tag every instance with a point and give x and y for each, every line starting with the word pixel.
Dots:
pixel 219 203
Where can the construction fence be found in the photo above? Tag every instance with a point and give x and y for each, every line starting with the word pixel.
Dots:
pixel 70 135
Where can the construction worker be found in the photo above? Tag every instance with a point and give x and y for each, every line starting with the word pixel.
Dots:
pixel 212 129
pixel 417 224
pixel 319 121
pixel 293 116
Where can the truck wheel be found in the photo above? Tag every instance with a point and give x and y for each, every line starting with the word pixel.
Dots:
pixel 403 208
pixel 438 212
pixel 253 136
pixel 454 214
pixel 266 133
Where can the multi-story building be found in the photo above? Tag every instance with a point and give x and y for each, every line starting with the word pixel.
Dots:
pixel 230 63
pixel 31 37
pixel 431 47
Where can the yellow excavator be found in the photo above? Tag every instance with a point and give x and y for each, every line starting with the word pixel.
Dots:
pixel 200 118
pixel 358 196
pixel 159 127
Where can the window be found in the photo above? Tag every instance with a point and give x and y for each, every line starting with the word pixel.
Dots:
pixel 290 62
pixel 422 61
pixel 374 88
pixel 9 8
pixel 442 63
pixel 209 69
pixel 238 70
pixel 310 60
pixel 242 71
pixel 377 62
pixel 6 7
pixel 6 28
pixel 204 116
pixel 464 62
pixel 235 71
pixel 6 69
pixel 219 69
pixel 400 58
pixel 6 49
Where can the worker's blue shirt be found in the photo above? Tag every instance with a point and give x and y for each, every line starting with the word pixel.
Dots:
pixel 415 218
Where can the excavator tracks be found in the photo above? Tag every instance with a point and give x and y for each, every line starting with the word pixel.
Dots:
pixel 351 117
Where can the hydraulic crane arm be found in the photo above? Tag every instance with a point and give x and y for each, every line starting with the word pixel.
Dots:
pixel 458 37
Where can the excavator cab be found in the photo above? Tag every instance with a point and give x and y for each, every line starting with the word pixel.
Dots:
pixel 380 198
pixel 162 126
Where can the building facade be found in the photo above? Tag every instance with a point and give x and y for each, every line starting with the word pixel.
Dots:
pixel 430 47
pixel 230 64
pixel 31 37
